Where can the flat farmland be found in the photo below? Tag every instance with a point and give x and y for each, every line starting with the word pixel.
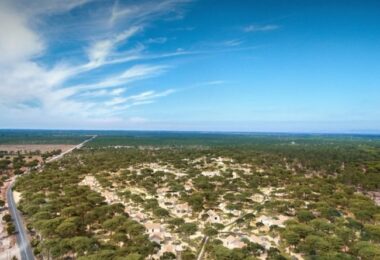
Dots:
pixel 42 137
pixel 28 148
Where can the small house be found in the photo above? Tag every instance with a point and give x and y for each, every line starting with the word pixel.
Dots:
pixel 232 242
pixel 213 216
pixel 153 227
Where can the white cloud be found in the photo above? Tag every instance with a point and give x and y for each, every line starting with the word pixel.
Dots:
pixel 232 43
pixel 147 97
pixel 134 73
pixel 103 93
pixel 101 50
pixel 159 40
pixel 23 79
pixel 213 82
pixel 43 7
pixel 261 28
pixel 36 92
pixel 115 101
pixel 141 13
pixel 117 91
pixel 17 41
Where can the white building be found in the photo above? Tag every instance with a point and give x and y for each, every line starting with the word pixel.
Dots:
pixel 153 227
pixel 232 242
pixel 183 209
pixel 213 217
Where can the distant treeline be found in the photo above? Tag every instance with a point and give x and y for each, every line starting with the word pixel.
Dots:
pixel 173 138
pixel 355 160
pixel 146 138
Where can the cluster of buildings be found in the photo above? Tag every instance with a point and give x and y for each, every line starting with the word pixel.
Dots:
pixel 155 230
pixel 172 204
pixel 157 233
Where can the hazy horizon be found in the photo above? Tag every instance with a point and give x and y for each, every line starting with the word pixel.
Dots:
pixel 279 133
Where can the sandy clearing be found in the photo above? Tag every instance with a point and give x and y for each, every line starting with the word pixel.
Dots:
pixel 10 250
pixel 8 245
pixel 16 196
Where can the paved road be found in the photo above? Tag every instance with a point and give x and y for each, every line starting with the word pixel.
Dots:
pixel 59 156
pixel 203 246
pixel 26 252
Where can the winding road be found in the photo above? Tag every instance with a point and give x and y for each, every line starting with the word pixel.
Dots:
pixel 26 252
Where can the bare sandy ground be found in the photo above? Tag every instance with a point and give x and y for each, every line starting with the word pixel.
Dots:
pixel 16 196
pixel 34 147
pixel 8 245
pixel 9 248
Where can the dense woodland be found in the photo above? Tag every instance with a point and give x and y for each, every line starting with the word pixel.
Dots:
pixel 324 180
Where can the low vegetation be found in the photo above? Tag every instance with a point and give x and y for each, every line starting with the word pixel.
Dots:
pixel 262 198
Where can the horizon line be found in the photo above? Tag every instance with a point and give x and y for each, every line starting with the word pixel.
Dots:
pixel 369 132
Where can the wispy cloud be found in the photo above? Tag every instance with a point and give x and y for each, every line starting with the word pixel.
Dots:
pixel 159 40
pixel 30 88
pixel 146 11
pixel 260 28
pixel 213 82
pixel 47 7
pixel 233 43
pixel 102 93
pixel 147 97
pixel 136 72
pixel 142 97
pixel 188 28
pixel 101 50
pixel 87 86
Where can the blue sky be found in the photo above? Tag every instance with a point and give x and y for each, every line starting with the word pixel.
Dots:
pixel 278 66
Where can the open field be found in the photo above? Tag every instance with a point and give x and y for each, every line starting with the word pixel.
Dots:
pixel 28 148
pixel 41 137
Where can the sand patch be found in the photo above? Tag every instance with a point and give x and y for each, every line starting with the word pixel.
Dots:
pixel 17 196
